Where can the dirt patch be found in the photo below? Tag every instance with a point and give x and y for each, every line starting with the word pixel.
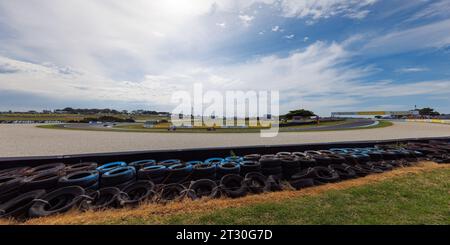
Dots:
pixel 157 212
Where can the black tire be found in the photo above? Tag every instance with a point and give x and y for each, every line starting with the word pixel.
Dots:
pixel 18 207
pixel 336 159
pixel 102 199
pixel 204 188
pixel 269 162
pixel 289 172
pixel 301 183
pixel 153 173
pixel 46 168
pixel 272 171
pixel 344 171
pixel 375 155
pixel 228 168
pixel 255 182
pixel 179 173
pixel 47 180
pixel 80 178
pixel 307 162
pixel 283 154
pixel 204 171
pixel 273 183
pixel 142 164
pixel 250 166
pixel 84 166
pixel 169 162
pixel 117 176
pixel 252 157
pixel 172 192
pixel 9 184
pixel 138 192
pixel 360 171
pixel 19 172
pixel 325 175
pixel 233 186
pixel 383 166
pixel 58 201
pixel 290 162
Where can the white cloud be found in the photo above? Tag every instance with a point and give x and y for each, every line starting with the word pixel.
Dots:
pixel 323 9
pixel 435 9
pixel 291 36
pixel 305 39
pixel 222 25
pixel 246 19
pixel 315 77
pixel 275 28
pixel 412 69
pixel 433 35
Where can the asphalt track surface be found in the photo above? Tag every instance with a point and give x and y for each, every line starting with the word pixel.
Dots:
pixel 360 123
pixel 28 140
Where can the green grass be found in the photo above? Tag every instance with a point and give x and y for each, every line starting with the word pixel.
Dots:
pixel 412 199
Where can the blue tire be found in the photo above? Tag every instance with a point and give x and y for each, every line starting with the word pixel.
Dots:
pixel 215 160
pixel 228 168
pixel 118 176
pixel 110 166
pixel 80 178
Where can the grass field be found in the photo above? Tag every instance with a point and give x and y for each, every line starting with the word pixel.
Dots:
pixel 412 195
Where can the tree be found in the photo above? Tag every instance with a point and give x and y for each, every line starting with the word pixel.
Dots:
pixel 428 112
pixel 300 113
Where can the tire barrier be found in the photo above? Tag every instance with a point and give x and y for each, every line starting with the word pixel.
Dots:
pixel 110 166
pixel 84 166
pixel 109 197
pixel 271 165
pixel 138 192
pixel 171 192
pixel 118 176
pixel 55 188
pixel 233 186
pixel 249 166
pixel 226 168
pixel 47 180
pixel 14 172
pixel 169 162
pixel 85 179
pixel 58 201
pixel 178 173
pixel 255 182
pixel 46 168
pixel 18 207
pixel 9 187
pixel 344 171
pixel 204 188
pixel 290 165
pixel 142 164
pixel 204 171
pixel 156 174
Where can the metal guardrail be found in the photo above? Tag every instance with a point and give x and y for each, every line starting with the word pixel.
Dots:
pixel 195 154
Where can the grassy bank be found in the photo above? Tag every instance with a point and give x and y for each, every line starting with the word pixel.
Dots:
pixel 412 195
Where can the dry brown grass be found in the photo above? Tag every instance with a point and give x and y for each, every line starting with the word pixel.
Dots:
pixel 156 213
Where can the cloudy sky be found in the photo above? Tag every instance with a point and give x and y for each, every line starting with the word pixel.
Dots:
pixel 324 55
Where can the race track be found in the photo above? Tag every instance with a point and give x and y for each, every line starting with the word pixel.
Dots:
pixel 28 140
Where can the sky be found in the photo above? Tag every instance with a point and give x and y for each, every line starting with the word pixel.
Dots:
pixel 322 55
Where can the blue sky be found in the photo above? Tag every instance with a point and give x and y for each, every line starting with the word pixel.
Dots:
pixel 324 55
